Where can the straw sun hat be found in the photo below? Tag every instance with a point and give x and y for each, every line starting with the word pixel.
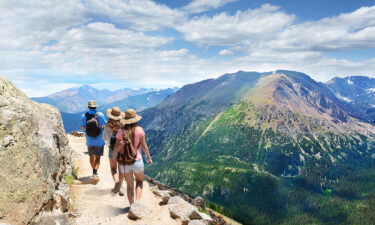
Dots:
pixel 130 117
pixel 115 113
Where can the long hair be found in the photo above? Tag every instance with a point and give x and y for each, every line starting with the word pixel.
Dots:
pixel 131 127
pixel 113 125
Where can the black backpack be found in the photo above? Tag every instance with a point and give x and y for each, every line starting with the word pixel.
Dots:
pixel 93 128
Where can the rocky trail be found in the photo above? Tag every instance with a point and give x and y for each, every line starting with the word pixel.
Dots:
pixel 97 205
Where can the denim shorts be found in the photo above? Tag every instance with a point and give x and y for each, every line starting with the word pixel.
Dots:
pixel 136 167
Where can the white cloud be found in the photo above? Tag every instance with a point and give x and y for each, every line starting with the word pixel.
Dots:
pixel 144 15
pixel 226 52
pixel 198 6
pixel 243 27
pixel 50 42
pixel 355 30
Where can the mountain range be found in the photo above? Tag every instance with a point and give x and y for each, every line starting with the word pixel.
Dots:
pixel 269 148
pixel 263 148
pixel 72 102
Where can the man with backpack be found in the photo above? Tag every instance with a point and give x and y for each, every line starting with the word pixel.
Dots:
pixel 93 123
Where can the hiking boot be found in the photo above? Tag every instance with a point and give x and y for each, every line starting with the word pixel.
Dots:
pixel 95 176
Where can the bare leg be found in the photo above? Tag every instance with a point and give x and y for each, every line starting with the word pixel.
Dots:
pixel 130 186
pixel 92 161
pixel 120 181
pixel 97 162
pixel 138 185
pixel 113 164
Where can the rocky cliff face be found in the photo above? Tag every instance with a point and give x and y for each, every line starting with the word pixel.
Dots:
pixel 34 158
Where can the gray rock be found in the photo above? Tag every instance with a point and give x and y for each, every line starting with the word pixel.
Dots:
pixel 177 199
pixel 33 145
pixel 199 201
pixel 138 211
pixel 180 210
pixel 197 222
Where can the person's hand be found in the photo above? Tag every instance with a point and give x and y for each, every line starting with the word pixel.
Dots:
pixel 149 160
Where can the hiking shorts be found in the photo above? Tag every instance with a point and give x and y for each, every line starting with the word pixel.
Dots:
pixel 95 150
pixel 136 167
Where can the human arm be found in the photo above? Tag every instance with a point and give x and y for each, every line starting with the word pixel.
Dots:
pixel 83 122
pixel 146 150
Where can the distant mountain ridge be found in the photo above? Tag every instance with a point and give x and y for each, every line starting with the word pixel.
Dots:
pixel 72 121
pixel 75 100
pixel 260 143
pixel 358 92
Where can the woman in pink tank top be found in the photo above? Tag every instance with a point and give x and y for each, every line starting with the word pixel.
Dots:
pixel 134 172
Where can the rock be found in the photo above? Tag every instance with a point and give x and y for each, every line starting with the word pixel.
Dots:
pixel 33 145
pixel 165 195
pixel 197 222
pixel 199 201
pixel 196 215
pixel 138 211
pixel 176 200
pixel 180 210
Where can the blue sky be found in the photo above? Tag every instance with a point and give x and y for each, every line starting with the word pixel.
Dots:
pixel 166 43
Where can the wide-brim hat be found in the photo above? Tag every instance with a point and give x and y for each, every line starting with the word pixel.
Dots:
pixel 92 104
pixel 130 117
pixel 115 113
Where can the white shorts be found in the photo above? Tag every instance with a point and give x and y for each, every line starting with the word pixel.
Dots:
pixel 136 167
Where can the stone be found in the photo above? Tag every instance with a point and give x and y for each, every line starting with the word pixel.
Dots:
pixel 180 210
pixel 35 147
pixel 165 195
pixel 177 199
pixel 197 222
pixel 138 211
pixel 199 201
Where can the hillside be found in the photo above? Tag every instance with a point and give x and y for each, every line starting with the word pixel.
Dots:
pixel 359 94
pixel 272 148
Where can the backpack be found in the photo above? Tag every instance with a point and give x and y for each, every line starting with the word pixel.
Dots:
pixel 93 128
pixel 129 153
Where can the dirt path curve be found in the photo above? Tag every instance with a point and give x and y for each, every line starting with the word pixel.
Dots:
pixel 97 205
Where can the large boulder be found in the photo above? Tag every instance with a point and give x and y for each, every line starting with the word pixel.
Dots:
pixel 34 158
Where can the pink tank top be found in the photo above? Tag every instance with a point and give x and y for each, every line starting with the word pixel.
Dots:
pixel 138 134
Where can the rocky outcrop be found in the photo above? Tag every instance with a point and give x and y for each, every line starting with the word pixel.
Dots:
pixel 34 158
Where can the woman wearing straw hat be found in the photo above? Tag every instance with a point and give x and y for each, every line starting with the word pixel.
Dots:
pixel 110 132
pixel 134 171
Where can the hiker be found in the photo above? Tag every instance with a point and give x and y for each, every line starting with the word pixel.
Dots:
pixel 110 132
pixel 131 140
pixel 93 123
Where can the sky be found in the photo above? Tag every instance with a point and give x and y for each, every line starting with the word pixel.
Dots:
pixel 50 45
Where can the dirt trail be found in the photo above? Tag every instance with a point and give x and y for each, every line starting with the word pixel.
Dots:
pixel 97 205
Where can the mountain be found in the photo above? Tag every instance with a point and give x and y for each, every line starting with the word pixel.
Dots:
pixel 358 92
pixel 266 148
pixel 142 101
pixel 72 121
pixel 75 100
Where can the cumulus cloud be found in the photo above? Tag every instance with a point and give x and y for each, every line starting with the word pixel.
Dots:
pixel 112 39
pixel 242 27
pixel 198 6
pixel 226 52
pixel 143 15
